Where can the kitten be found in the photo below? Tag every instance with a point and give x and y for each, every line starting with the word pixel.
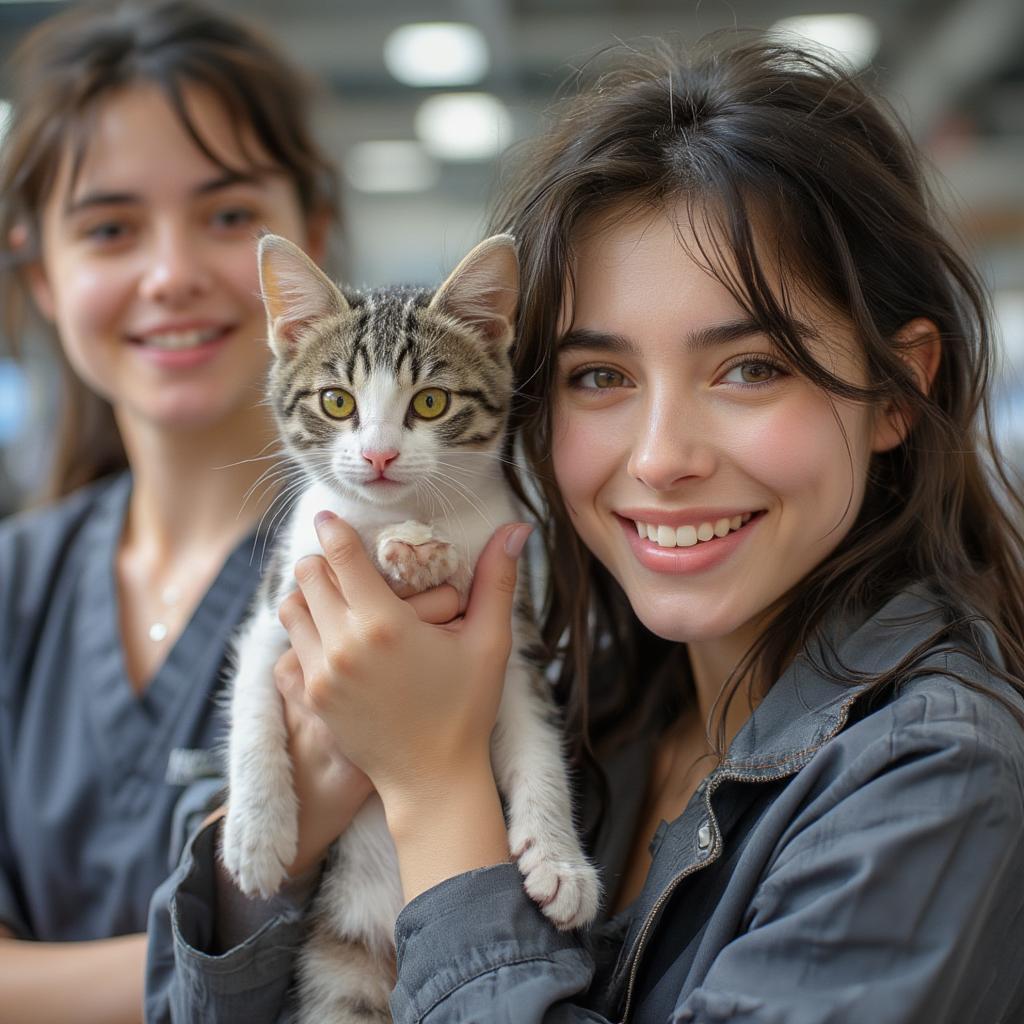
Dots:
pixel 393 404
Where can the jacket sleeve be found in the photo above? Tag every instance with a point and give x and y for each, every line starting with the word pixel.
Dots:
pixel 187 980
pixel 892 898
pixel 477 948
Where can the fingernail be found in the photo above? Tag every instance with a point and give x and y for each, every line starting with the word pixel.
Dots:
pixel 323 517
pixel 516 538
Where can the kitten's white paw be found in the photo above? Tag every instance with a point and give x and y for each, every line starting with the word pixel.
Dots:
pixel 260 839
pixel 561 880
pixel 415 560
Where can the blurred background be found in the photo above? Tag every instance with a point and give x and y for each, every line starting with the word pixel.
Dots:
pixel 419 100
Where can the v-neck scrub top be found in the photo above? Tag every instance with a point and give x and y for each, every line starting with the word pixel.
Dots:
pixel 92 774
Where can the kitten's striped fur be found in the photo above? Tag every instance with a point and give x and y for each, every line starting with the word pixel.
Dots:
pixel 425 527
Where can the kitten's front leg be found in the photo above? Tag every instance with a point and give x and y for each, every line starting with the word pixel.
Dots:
pixel 531 772
pixel 413 559
pixel 261 829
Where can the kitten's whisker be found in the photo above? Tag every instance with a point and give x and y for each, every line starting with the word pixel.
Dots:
pixel 281 499
pixel 470 499
pixel 281 517
pixel 271 478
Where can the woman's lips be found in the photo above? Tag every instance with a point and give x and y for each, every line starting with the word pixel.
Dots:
pixel 698 556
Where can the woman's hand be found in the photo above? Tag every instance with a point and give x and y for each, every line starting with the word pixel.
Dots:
pixel 330 788
pixel 412 703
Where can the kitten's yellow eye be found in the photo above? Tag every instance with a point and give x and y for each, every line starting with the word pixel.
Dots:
pixel 337 403
pixel 429 403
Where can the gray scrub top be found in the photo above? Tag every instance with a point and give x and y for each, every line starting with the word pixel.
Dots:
pixel 91 773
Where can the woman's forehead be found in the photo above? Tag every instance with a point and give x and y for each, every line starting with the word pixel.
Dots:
pixel 127 135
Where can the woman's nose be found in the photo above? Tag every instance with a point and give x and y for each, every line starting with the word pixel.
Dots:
pixel 175 270
pixel 673 446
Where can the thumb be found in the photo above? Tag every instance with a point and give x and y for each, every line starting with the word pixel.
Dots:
pixel 494 580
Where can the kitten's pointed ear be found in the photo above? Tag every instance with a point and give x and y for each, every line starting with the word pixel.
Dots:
pixel 483 290
pixel 296 293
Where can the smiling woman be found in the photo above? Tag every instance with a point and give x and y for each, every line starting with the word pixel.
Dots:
pixel 150 145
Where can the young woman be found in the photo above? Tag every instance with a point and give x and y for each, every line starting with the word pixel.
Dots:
pixel 785 589
pixel 150 145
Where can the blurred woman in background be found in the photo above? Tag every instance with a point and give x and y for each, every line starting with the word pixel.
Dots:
pixel 150 144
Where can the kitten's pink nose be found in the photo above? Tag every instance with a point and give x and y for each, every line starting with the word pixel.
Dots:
pixel 381 460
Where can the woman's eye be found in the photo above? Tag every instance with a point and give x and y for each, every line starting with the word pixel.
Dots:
pixel 600 378
pixel 752 371
pixel 234 217
pixel 106 232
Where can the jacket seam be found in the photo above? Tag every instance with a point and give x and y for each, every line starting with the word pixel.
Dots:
pixel 479 974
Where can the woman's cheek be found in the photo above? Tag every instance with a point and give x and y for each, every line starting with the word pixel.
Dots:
pixel 798 454
pixel 579 454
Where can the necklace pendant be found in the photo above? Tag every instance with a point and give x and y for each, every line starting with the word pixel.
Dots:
pixel 157 632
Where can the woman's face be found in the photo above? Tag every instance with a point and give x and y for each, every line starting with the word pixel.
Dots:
pixel 148 266
pixel 674 419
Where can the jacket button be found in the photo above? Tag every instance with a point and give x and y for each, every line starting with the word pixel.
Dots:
pixel 704 836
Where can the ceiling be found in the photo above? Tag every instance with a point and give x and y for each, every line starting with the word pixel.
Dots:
pixel 954 68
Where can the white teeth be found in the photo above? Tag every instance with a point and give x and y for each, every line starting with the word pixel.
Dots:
pixel 176 340
pixel 687 536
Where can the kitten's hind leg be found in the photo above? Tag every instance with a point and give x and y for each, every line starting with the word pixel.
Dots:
pixel 342 982
pixel 261 829
pixel 347 964
pixel 531 772
pixel 412 559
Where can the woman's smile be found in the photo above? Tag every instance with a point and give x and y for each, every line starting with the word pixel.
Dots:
pixel 697 545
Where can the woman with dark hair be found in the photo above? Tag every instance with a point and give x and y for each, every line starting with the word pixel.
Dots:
pixel 150 145
pixel 784 604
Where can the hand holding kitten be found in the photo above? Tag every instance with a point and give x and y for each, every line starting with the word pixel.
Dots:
pixel 412 703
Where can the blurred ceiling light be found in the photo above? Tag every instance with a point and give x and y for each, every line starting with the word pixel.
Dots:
pixel 437 53
pixel 397 166
pixel 464 126
pixel 853 36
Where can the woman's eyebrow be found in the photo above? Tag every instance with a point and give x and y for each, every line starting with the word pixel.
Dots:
pixel 696 341
pixel 603 341
pixel 99 198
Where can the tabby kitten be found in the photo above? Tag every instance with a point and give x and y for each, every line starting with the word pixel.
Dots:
pixel 394 404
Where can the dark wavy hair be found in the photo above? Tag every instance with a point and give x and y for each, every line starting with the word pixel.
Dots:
pixel 62 72
pixel 754 137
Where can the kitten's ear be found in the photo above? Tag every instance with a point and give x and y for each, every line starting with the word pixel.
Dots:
pixel 483 290
pixel 296 293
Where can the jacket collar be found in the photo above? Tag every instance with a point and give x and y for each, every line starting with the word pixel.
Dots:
pixel 808 705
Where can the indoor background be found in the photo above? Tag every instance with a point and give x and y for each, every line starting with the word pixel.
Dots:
pixel 417 117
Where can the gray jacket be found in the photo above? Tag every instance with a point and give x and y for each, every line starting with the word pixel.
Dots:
pixel 849 861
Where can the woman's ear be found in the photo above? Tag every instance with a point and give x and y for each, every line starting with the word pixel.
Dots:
pixel 33 273
pixel 919 345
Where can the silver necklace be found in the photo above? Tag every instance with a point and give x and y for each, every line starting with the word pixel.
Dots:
pixel 169 597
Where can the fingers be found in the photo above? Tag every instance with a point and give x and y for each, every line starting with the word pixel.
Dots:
pixel 494 582
pixel 438 605
pixel 361 583
pixel 303 634
pixel 319 589
pixel 288 675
